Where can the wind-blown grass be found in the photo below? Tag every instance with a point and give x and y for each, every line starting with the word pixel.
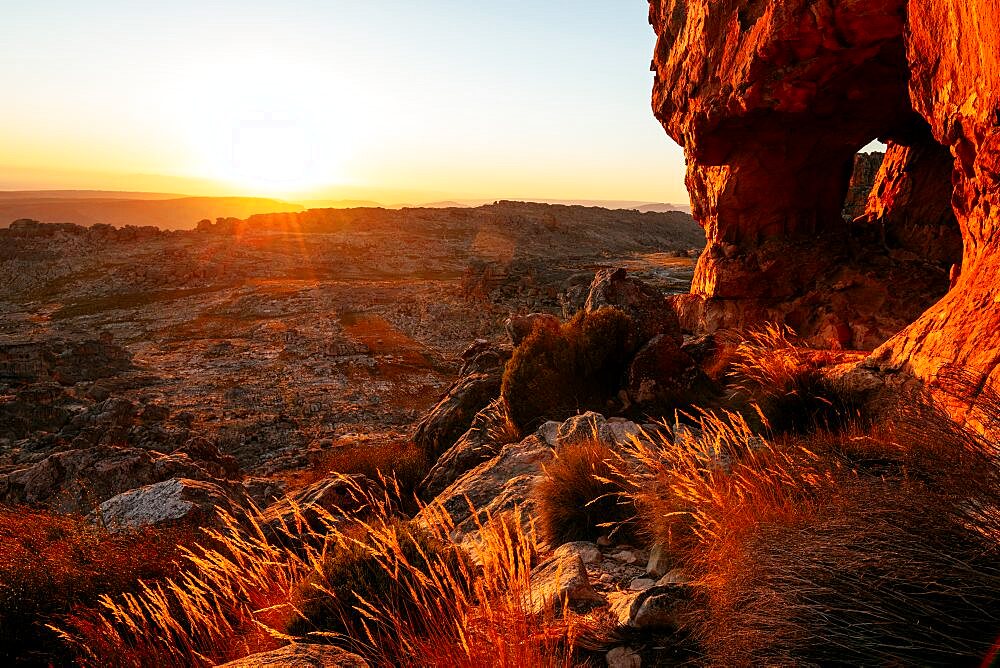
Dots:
pixel 860 545
pixel 238 596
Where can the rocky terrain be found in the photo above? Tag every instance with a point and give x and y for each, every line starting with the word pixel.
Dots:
pixel 254 349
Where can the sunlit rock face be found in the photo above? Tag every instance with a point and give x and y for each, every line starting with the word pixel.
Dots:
pixel 771 101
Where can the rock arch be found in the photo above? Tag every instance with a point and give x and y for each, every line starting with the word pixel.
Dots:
pixel 771 100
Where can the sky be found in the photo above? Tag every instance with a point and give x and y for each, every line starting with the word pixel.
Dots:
pixel 334 98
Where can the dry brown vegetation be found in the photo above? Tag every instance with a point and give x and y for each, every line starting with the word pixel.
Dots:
pixel 401 461
pixel 51 563
pixel 783 382
pixel 555 374
pixel 863 545
pixel 581 495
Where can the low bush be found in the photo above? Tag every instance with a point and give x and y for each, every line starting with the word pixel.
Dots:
pixel 238 596
pixel 400 463
pixel 555 374
pixel 355 576
pixel 581 495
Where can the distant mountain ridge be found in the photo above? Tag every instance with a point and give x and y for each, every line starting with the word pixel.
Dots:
pixel 172 211
pixel 168 212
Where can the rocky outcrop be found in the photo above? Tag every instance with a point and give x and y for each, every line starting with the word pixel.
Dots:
pixel 771 101
pixel 477 385
pixel 322 499
pixel 866 169
pixel 646 305
pixel 77 481
pixel 561 580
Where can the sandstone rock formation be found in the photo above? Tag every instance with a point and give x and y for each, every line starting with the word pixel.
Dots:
pixel 772 100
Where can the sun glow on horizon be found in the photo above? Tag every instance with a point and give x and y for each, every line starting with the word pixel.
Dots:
pixel 336 100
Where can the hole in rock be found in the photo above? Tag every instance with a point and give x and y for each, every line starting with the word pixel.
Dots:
pixel 904 242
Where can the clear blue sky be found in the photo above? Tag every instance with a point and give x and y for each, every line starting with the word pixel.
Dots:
pixel 442 97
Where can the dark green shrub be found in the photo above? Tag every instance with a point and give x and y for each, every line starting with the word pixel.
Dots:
pixel 555 374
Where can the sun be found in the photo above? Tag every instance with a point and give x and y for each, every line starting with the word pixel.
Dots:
pixel 272 156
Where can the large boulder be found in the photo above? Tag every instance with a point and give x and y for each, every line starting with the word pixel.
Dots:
pixel 479 384
pixel 648 307
pixel 474 447
pixel 561 580
pixel 492 488
pixel 504 482
pixel 663 377
pixel 299 655
pixel 167 503
pixel 332 496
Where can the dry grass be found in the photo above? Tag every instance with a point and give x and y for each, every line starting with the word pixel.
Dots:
pixel 783 380
pixel 50 563
pixel 860 546
pixel 401 461
pixel 581 495
pixel 500 426
pixel 237 597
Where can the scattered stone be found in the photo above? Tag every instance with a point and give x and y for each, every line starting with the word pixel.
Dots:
pixel 641 584
pixel 559 580
pixel 623 657
pixel 493 487
pixel 659 561
pixel 589 553
pixel 657 607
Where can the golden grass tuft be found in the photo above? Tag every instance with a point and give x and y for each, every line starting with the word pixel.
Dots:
pixel 862 545
pixel 783 380
pixel 236 598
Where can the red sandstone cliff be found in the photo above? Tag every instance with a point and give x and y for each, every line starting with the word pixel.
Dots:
pixel 771 101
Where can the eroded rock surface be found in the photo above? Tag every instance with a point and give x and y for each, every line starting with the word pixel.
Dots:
pixel 772 101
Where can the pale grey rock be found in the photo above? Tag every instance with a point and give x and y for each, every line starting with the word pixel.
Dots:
pixel 588 552
pixel 657 607
pixel 641 584
pixel 168 502
pixel 659 561
pixel 623 657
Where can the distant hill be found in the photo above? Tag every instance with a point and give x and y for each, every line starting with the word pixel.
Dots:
pixel 663 208
pixel 169 212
